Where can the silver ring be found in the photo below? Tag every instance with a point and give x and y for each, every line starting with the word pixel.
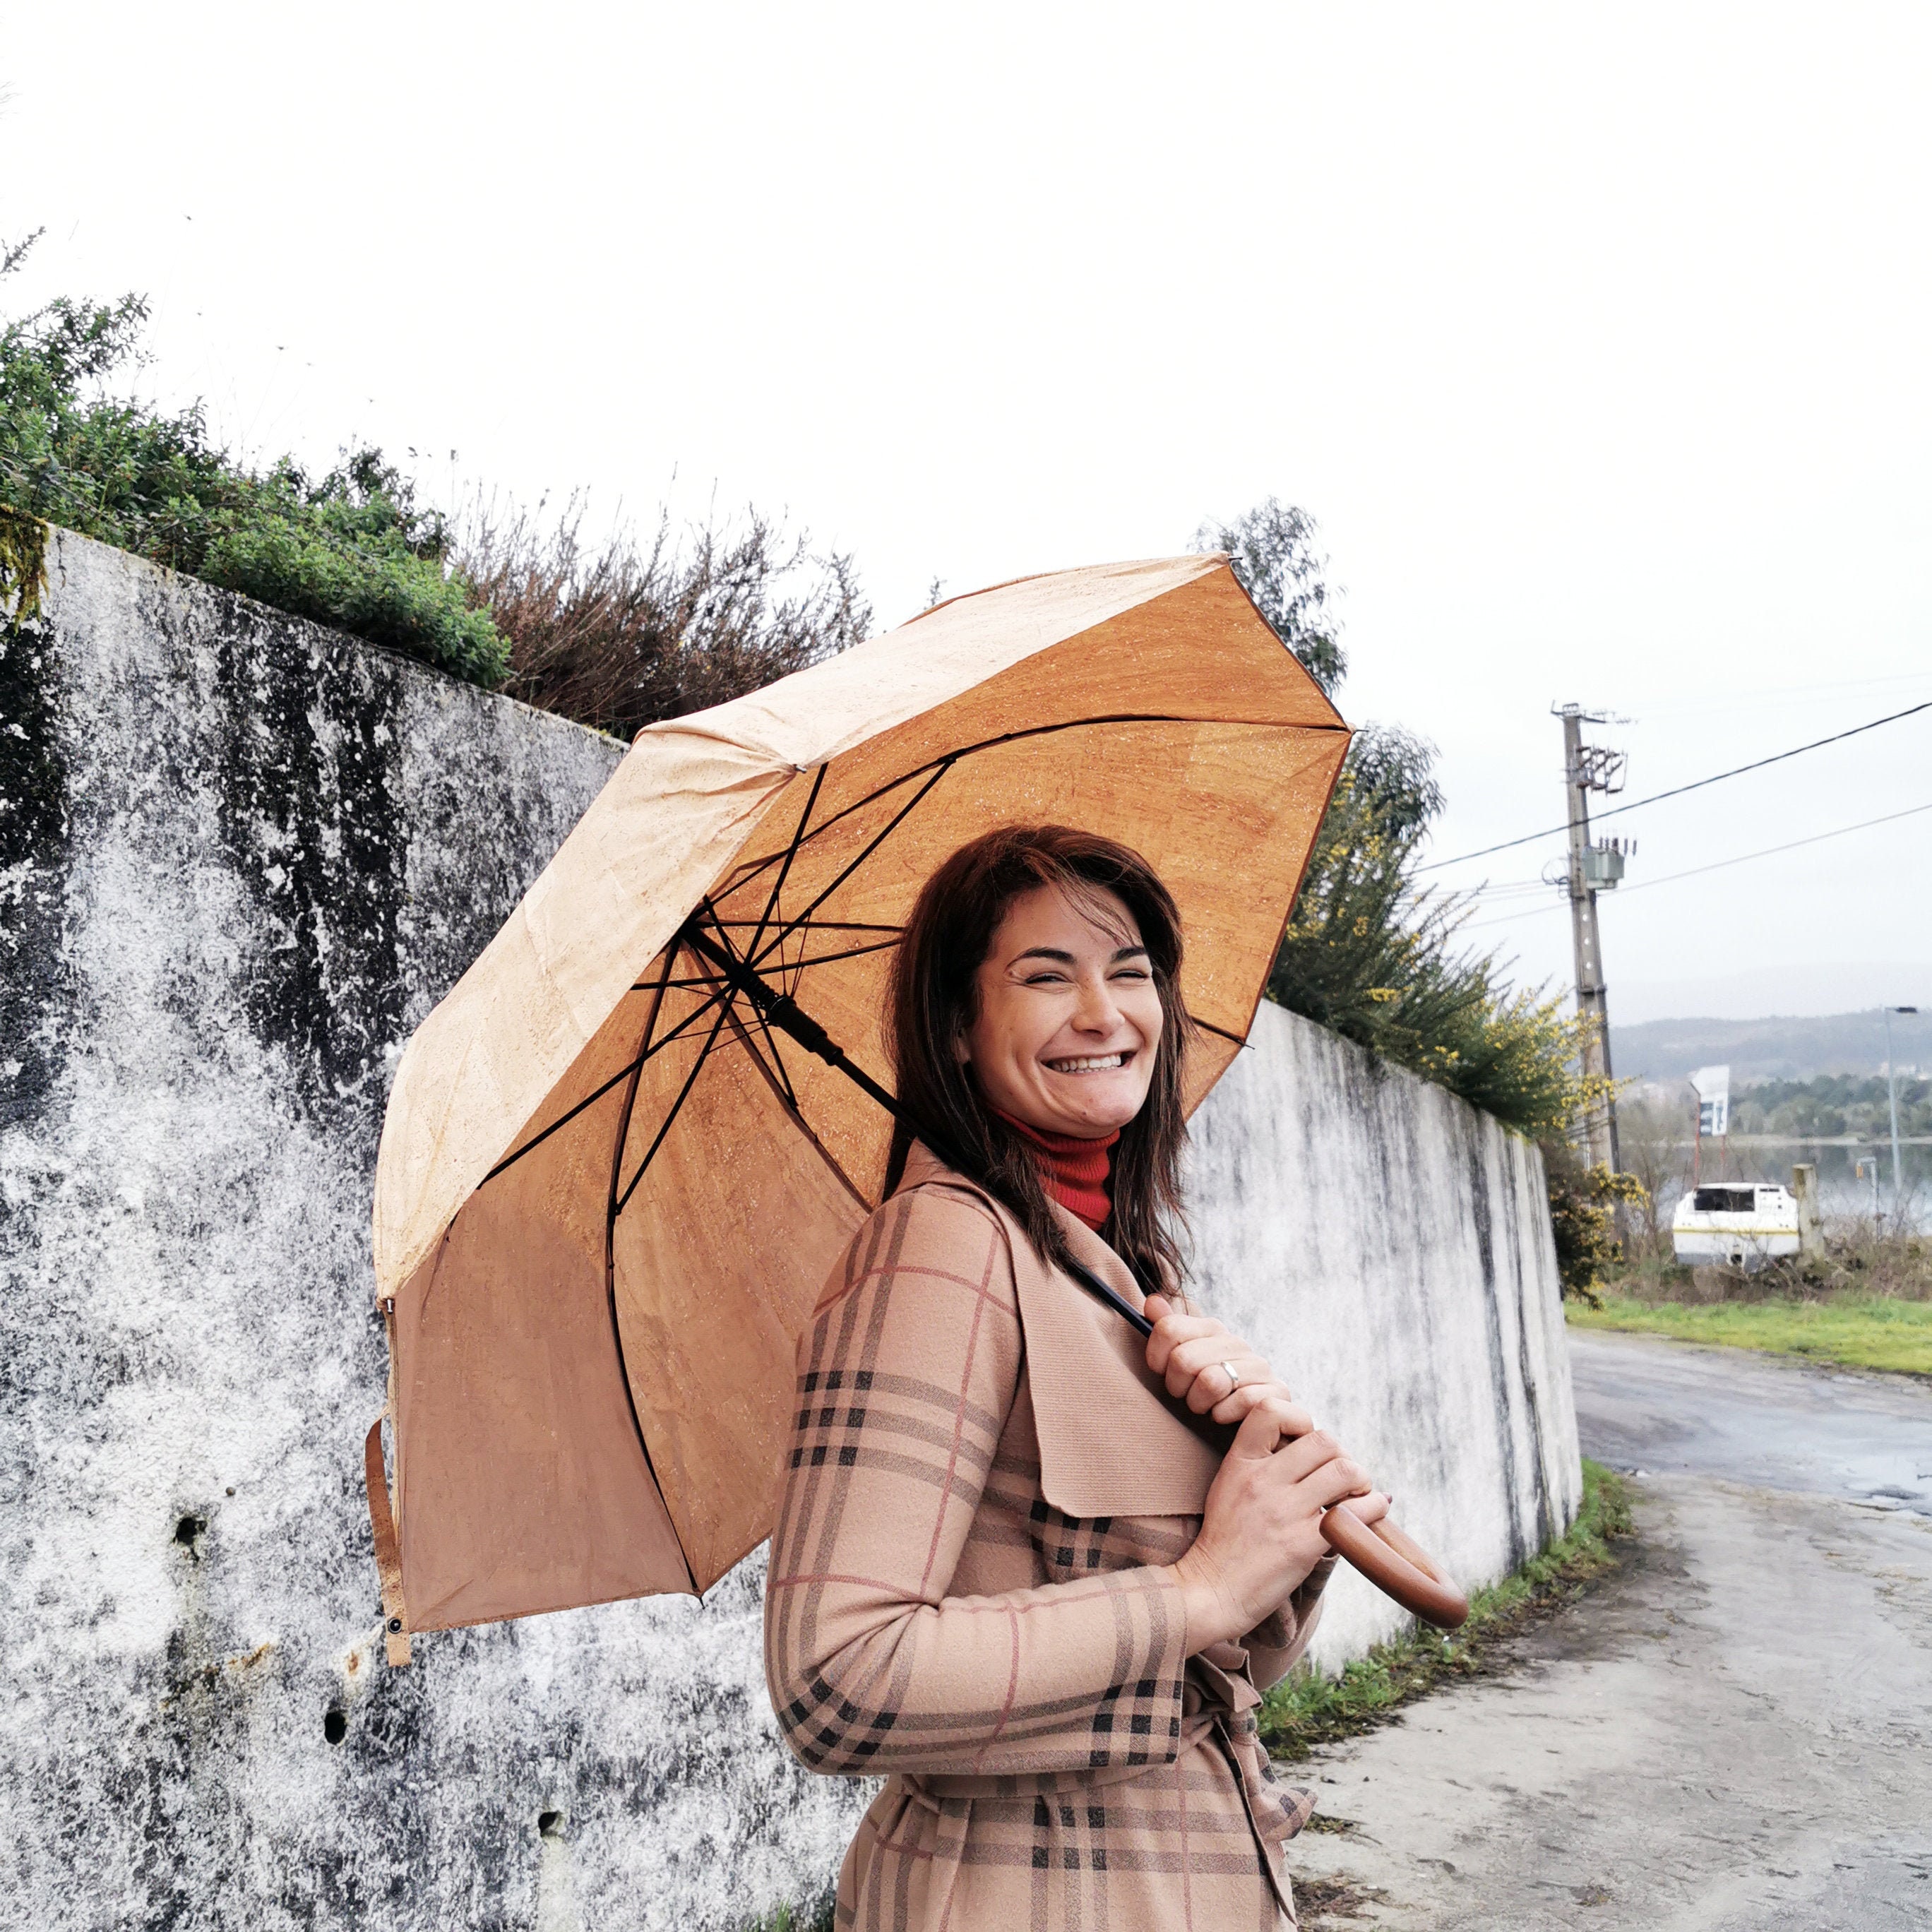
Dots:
pixel 1233 1380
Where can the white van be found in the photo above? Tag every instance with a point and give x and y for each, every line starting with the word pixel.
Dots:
pixel 1736 1224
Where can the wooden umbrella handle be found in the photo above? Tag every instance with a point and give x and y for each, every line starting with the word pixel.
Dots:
pixel 1397 1565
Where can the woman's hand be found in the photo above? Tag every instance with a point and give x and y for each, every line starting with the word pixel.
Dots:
pixel 1371 1508
pixel 1195 1355
pixel 1261 1534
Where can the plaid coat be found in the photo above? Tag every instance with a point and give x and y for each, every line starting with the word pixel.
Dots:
pixel 968 1593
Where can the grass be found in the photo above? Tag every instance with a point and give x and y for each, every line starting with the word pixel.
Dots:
pixel 795 1918
pixel 1860 1331
pixel 1306 1710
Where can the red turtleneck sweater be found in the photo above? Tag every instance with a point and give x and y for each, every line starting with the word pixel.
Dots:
pixel 1076 1172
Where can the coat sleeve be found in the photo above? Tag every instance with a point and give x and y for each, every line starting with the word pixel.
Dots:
pixel 1276 1645
pixel 906 1379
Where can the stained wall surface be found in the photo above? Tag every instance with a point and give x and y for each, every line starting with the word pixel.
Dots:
pixel 240 856
pixel 1393 1245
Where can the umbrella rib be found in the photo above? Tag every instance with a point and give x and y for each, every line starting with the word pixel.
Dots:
pixel 624 1129
pixel 611 1244
pixel 777 1060
pixel 676 1106
pixel 1208 1026
pixel 752 871
pixel 832 958
pixel 791 852
pixel 591 1099
pixel 799 1121
pixel 804 925
pixel 684 1025
pixel 562 1121
pixel 892 825
pixel 737 1025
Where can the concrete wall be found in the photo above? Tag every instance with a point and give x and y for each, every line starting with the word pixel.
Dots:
pixel 1393 1245
pixel 240 858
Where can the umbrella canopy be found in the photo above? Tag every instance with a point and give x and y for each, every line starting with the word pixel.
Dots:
pixel 611 1184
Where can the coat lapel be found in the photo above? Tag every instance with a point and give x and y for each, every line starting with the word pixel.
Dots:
pixel 1112 1442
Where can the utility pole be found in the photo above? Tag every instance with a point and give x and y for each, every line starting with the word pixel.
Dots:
pixel 1891 1094
pixel 1592 868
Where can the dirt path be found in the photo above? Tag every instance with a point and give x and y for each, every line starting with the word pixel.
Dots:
pixel 1735 1734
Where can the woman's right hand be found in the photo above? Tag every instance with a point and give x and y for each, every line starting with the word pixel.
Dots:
pixel 1261 1534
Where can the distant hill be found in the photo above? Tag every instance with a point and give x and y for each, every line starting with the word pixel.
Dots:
pixel 1767 1049
pixel 1841 986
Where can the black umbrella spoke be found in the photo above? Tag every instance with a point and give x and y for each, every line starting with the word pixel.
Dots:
pixel 624 1072
pixel 676 1107
pixel 851 952
pixel 798 967
pixel 562 1121
pixel 804 925
pixel 707 914
pixel 871 845
pixel 778 1059
pixel 993 744
pixel 802 928
pixel 1220 1033
pixel 885 791
pixel 624 1134
pixel 683 1029
pixel 791 852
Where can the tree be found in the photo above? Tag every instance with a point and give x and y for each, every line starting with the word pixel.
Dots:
pixel 1367 952
pixel 1272 549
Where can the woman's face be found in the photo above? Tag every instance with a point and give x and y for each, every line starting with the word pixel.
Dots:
pixel 1069 1019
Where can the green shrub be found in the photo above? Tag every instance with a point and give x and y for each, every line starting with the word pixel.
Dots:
pixel 814 1917
pixel 351 550
pixel 23 565
pixel 1366 953
pixel 1582 1216
pixel 1369 954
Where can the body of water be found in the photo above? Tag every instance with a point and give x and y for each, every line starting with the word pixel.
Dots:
pixel 1844 1193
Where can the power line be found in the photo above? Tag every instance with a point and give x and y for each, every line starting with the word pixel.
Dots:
pixel 1718 865
pixel 1764 697
pixel 1678 791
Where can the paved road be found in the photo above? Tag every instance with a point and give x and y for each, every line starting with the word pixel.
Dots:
pixel 1766 1421
pixel 1733 1735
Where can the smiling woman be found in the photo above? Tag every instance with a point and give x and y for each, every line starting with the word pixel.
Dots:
pixel 1031 952
pixel 1069 1018
pixel 1036 1572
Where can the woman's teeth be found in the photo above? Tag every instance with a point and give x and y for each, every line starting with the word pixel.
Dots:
pixel 1100 1063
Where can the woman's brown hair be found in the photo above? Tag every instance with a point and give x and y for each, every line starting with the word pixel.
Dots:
pixel 934 998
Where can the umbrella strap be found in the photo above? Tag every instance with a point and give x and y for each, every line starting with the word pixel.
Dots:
pixel 388 1558
pixel 1101 1292
pixel 382 1519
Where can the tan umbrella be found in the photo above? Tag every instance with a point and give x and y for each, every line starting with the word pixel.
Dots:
pixel 612 1183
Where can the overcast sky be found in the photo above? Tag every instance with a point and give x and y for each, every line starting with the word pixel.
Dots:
pixel 1596 340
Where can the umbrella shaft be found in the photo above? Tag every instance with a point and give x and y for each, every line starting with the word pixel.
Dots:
pixel 780 1010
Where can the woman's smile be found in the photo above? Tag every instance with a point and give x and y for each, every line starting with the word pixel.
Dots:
pixel 1068 1018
